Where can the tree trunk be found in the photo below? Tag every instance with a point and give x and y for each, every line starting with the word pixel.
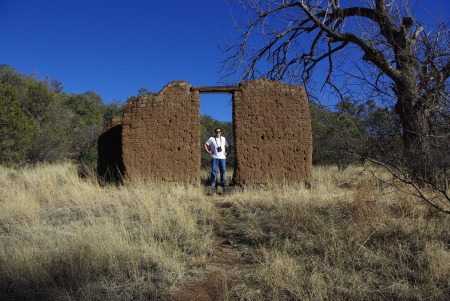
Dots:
pixel 418 151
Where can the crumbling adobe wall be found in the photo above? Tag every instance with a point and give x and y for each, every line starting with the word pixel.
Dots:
pixel 159 136
pixel 272 133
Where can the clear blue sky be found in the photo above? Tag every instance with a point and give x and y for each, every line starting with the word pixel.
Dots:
pixel 116 47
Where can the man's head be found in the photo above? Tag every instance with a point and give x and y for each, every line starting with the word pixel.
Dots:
pixel 218 132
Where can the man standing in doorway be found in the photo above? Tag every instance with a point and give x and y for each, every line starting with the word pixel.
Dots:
pixel 218 148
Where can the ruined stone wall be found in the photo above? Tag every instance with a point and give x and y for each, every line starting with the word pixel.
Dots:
pixel 161 134
pixel 272 131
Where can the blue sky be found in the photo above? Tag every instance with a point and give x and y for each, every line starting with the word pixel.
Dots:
pixel 117 47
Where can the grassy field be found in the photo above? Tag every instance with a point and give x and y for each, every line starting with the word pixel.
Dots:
pixel 349 237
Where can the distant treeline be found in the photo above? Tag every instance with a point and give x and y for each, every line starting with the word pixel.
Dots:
pixel 39 122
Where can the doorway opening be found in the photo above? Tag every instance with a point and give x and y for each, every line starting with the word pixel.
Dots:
pixel 215 112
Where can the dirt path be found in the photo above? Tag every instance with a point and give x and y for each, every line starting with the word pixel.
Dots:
pixel 228 256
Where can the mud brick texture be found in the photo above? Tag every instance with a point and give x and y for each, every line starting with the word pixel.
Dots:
pixel 158 137
pixel 272 130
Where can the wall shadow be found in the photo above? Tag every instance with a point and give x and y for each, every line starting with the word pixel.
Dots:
pixel 110 166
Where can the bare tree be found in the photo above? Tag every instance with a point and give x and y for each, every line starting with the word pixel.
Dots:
pixel 377 47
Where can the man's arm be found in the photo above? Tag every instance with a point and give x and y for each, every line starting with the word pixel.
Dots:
pixel 228 150
pixel 227 147
pixel 205 146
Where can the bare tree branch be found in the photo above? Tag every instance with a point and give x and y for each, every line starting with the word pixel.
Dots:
pixel 396 58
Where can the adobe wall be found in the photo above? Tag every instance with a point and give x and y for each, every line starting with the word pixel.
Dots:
pixel 160 136
pixel 272 131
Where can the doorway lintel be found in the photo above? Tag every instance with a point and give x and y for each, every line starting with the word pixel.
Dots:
pixel 216 89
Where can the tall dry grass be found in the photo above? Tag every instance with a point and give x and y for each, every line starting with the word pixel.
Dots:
pixel 62 236
pixel 349 237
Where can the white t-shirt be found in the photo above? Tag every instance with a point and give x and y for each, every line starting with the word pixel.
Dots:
pixel 214 143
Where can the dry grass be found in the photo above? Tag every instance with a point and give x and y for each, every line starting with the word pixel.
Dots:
pixel 346 238
pixel 64 236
